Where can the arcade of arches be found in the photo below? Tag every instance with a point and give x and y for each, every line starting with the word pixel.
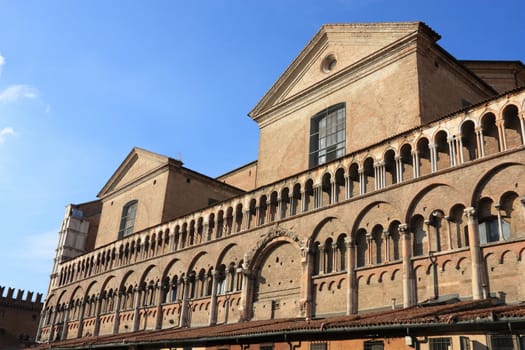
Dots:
pixel 392 205
pixel 443 241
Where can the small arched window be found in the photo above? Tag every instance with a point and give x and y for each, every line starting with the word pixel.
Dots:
pixel 127 220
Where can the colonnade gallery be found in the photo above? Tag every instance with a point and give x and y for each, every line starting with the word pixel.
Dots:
pixel 386 209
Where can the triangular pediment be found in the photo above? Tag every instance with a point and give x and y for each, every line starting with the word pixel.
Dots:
pixel 334 48
pixel 138 164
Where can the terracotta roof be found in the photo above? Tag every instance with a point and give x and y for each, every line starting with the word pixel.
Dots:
pixel 475 316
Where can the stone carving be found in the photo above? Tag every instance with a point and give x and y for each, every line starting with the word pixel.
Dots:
pixel 275 232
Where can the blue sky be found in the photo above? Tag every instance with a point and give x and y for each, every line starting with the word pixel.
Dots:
pixel 82 82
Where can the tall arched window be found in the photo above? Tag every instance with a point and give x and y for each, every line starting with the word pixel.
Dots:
pixel 127 220
pixel 327 135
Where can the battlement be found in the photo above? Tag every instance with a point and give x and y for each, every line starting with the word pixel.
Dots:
pixel 31 301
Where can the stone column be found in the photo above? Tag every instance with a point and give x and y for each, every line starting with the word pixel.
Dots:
pixel 408 274
pixel 136 309
pixel 318 197
pixel 475 254
pixel 500 223
pixel 96 328
pixel 433 157
pixel 369 242
pixel 246 219
pixel 481 142
pixel 213 302
pixel 235 227
pixel 377 184
pixel 65 323
pixel 304 201
pixel 460 151
pixel 281 205
pixel 348 187
pixel 164 289
pixel 502 136
pixel 399 169
pixel 322 259
pixel 351 303
pixel 81 318
pixel 335 261
pixel 429 238
pixel 452 149
pixel 116 323
pixel 205 230
pixel 53 325
pixel 415 163
pixel 185 303
pixel 171 236
pixel 334 194
pixel 43 316
pixel 362 182
pixel 383 174
pixel 180 242
pixel 247 294
pixel 449 232
pixel 293 205
pixel 522 125
pixel 386 237
pixel 307 266
pixel 188 236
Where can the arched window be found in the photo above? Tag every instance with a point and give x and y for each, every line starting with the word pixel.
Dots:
pixel 221 279
pixel 327 135
pixel 490 134
pixel 458 227
pixel 468 141
pixel 377 241
pixel 361 247
pixel 328 256
pixel 390 168
pixel 394 241
pixel 127 220
pixel 316 258
pixel 419 236
pixel 512 223
pixel 173 286
pixel 488 226
pixel 512 127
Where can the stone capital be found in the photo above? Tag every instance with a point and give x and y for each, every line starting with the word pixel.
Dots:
pixel 470 213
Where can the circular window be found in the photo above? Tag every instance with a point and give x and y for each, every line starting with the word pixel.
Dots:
pixel 329 63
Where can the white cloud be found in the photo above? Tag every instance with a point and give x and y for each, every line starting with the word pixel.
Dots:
pixel 8 131
pixel 15 92
pixel 2 62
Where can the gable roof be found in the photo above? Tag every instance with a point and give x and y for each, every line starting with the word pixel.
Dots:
pixel 137 164
pixel 349 43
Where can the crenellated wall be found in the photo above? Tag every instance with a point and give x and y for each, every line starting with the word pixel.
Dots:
pixel 19 316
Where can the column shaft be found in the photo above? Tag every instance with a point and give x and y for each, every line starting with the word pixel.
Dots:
pixel 475 254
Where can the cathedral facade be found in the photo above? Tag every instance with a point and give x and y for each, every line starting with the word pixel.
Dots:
pixel 390 179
